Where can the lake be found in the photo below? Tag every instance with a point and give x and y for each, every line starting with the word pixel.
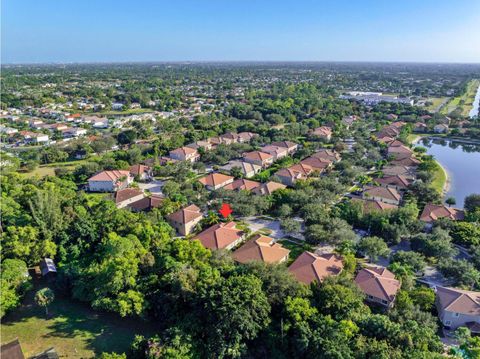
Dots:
pixel 462 163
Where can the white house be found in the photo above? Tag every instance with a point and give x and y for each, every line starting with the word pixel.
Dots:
pixel 110 181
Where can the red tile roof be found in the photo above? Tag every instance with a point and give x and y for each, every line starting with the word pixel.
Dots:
pixel 219 236
pixel 310 267
pixel 378 282
pixel 432 212
pixel 261 248
pixel 114 175
pixel 186 215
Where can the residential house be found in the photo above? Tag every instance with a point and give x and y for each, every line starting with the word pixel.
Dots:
pixel 310 267
pixel 185 154
pixel 318 164
pixel 34 137
pixel 258 158
pixel 275 151
pixel 246 169
pixel 146 203
pixel 291 147
pixel 432 212
pixel 288 176
pixel 349 120
pixel 205 145
pixel 420 127
pixel 399 170
pixel 268 188
pixel 141 172
pixel 399 182
pixel 262 249
pixel 126 196
pixel 186 219
pixel 458 308
pixel 374 206
pixel 245 136
pixel 229 138
pixel 74 132
pixel 242 184
pixel 323 132
pixel 382 194
pixel 214 181
pixel 221 236
pixel 379 285
pixel 441 128
pixel 326 154
pixel 109 181
pixel 405 161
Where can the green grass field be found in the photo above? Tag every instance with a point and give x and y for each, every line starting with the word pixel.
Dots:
pixel 439 179
pixel 49 170
pixel 72 328
pixel 464 102
pixel 436 102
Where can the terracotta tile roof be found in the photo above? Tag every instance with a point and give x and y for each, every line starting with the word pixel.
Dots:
pixel 274 150
pixel 219 236
pixel 184 151
pixel 215 179
pixel 383 192
pixel 127 193
pixel 398 170
pixel 327 155
pixel 247 136
pixel 322 131
pixel 406 161
pixel 242 184
pixel 432 212
pixel 310 267
pixel 284 144
pixel 298 171
pixel 257 156
pixel 372 205
pixel 146 203
pixel 139 169
pixel 261 248
pixel 318 164
pixel 378 282
pixel 186 215
pixel 397 180
pixel 114 175
pixel 268 188
pixel 458 301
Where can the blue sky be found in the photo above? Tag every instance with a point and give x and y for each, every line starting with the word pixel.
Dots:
pixel 236 30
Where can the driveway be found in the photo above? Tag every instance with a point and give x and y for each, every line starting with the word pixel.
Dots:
pixel 255 224
pixel 155 186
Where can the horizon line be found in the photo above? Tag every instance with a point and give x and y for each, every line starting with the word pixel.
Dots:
pixel 237 62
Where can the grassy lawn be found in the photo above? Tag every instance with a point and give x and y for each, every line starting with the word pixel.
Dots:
pixel 439 179
pixel 436 102
pixel 72 328
pixel 49 169
pixel 296 248
pixel 464 102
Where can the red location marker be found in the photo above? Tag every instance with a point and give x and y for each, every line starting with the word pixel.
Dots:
pixel 226 210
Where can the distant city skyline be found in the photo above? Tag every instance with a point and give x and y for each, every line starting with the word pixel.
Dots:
pixel 212 31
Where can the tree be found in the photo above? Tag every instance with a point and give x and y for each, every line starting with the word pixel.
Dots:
pixel 450 201
pixel 373 247
pixel 14 282
pixel 290 226
pixel 472 202
pixel 127 137
pixel 44 297
pixel 466 233
pixel 414 260
pixel 236 309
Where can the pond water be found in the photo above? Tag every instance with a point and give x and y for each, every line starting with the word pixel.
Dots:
pixel 476 105
pixel 462 163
